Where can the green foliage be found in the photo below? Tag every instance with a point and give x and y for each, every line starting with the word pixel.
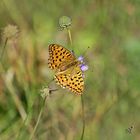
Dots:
pixel 111 97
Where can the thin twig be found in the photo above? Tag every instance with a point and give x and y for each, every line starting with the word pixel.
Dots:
pixel 69 34
pixel 22 127
pixel 83 117
pixel 39 116
pixel 3 48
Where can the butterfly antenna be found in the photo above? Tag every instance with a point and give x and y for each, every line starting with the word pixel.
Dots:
pixel 85 53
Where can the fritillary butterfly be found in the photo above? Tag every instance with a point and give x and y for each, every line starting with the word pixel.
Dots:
pixel 68 73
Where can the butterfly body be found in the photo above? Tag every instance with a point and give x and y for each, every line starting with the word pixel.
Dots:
pixel 68 66
pixel 68 73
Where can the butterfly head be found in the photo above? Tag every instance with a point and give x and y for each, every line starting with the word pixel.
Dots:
pixel 82 64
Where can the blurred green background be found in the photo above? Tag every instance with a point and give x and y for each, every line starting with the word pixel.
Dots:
pixel 112 84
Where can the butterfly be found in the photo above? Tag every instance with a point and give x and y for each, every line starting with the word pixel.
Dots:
pixel 129 130
pixel 67 68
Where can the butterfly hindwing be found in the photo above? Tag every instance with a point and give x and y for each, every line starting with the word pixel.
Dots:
pixel 74 82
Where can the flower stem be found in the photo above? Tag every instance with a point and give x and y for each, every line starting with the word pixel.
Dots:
pixel 2 52
pixel 69 35
pixel 83 117
pixel 38 119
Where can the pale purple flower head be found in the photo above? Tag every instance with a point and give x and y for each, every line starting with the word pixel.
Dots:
pixel 80 58
pixel 82 65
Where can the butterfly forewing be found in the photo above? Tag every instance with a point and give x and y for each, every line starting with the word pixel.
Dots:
pixel 58 55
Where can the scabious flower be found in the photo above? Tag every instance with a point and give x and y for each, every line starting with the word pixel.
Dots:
pixel 80 58
pixel 82 65
pixel 64 22
pixel 45 92
pixel 10 31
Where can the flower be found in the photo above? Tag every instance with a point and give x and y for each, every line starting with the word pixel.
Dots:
pixel 10 31
pixel 84 67
pixel 81 58
pixel 64 22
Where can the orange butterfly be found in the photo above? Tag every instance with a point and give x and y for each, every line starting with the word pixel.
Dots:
pixel 68 72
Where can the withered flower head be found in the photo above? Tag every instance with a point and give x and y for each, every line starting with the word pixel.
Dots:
pixel 10 31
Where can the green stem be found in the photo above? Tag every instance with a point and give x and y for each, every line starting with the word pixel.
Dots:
pixel 69 34
pixel 83 117
pixel 22 127
pixel 39 116
pixel 2 52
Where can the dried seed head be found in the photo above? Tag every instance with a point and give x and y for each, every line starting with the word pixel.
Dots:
pixel 64 22
pixel 45 91
pixel 10 31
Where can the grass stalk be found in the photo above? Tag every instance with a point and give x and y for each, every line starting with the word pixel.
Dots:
pixel 38 119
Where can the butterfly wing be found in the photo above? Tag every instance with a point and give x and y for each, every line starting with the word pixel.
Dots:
pixel 74 82
pixel 59 55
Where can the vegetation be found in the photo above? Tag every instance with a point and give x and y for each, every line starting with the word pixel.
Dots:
pixel 112 83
